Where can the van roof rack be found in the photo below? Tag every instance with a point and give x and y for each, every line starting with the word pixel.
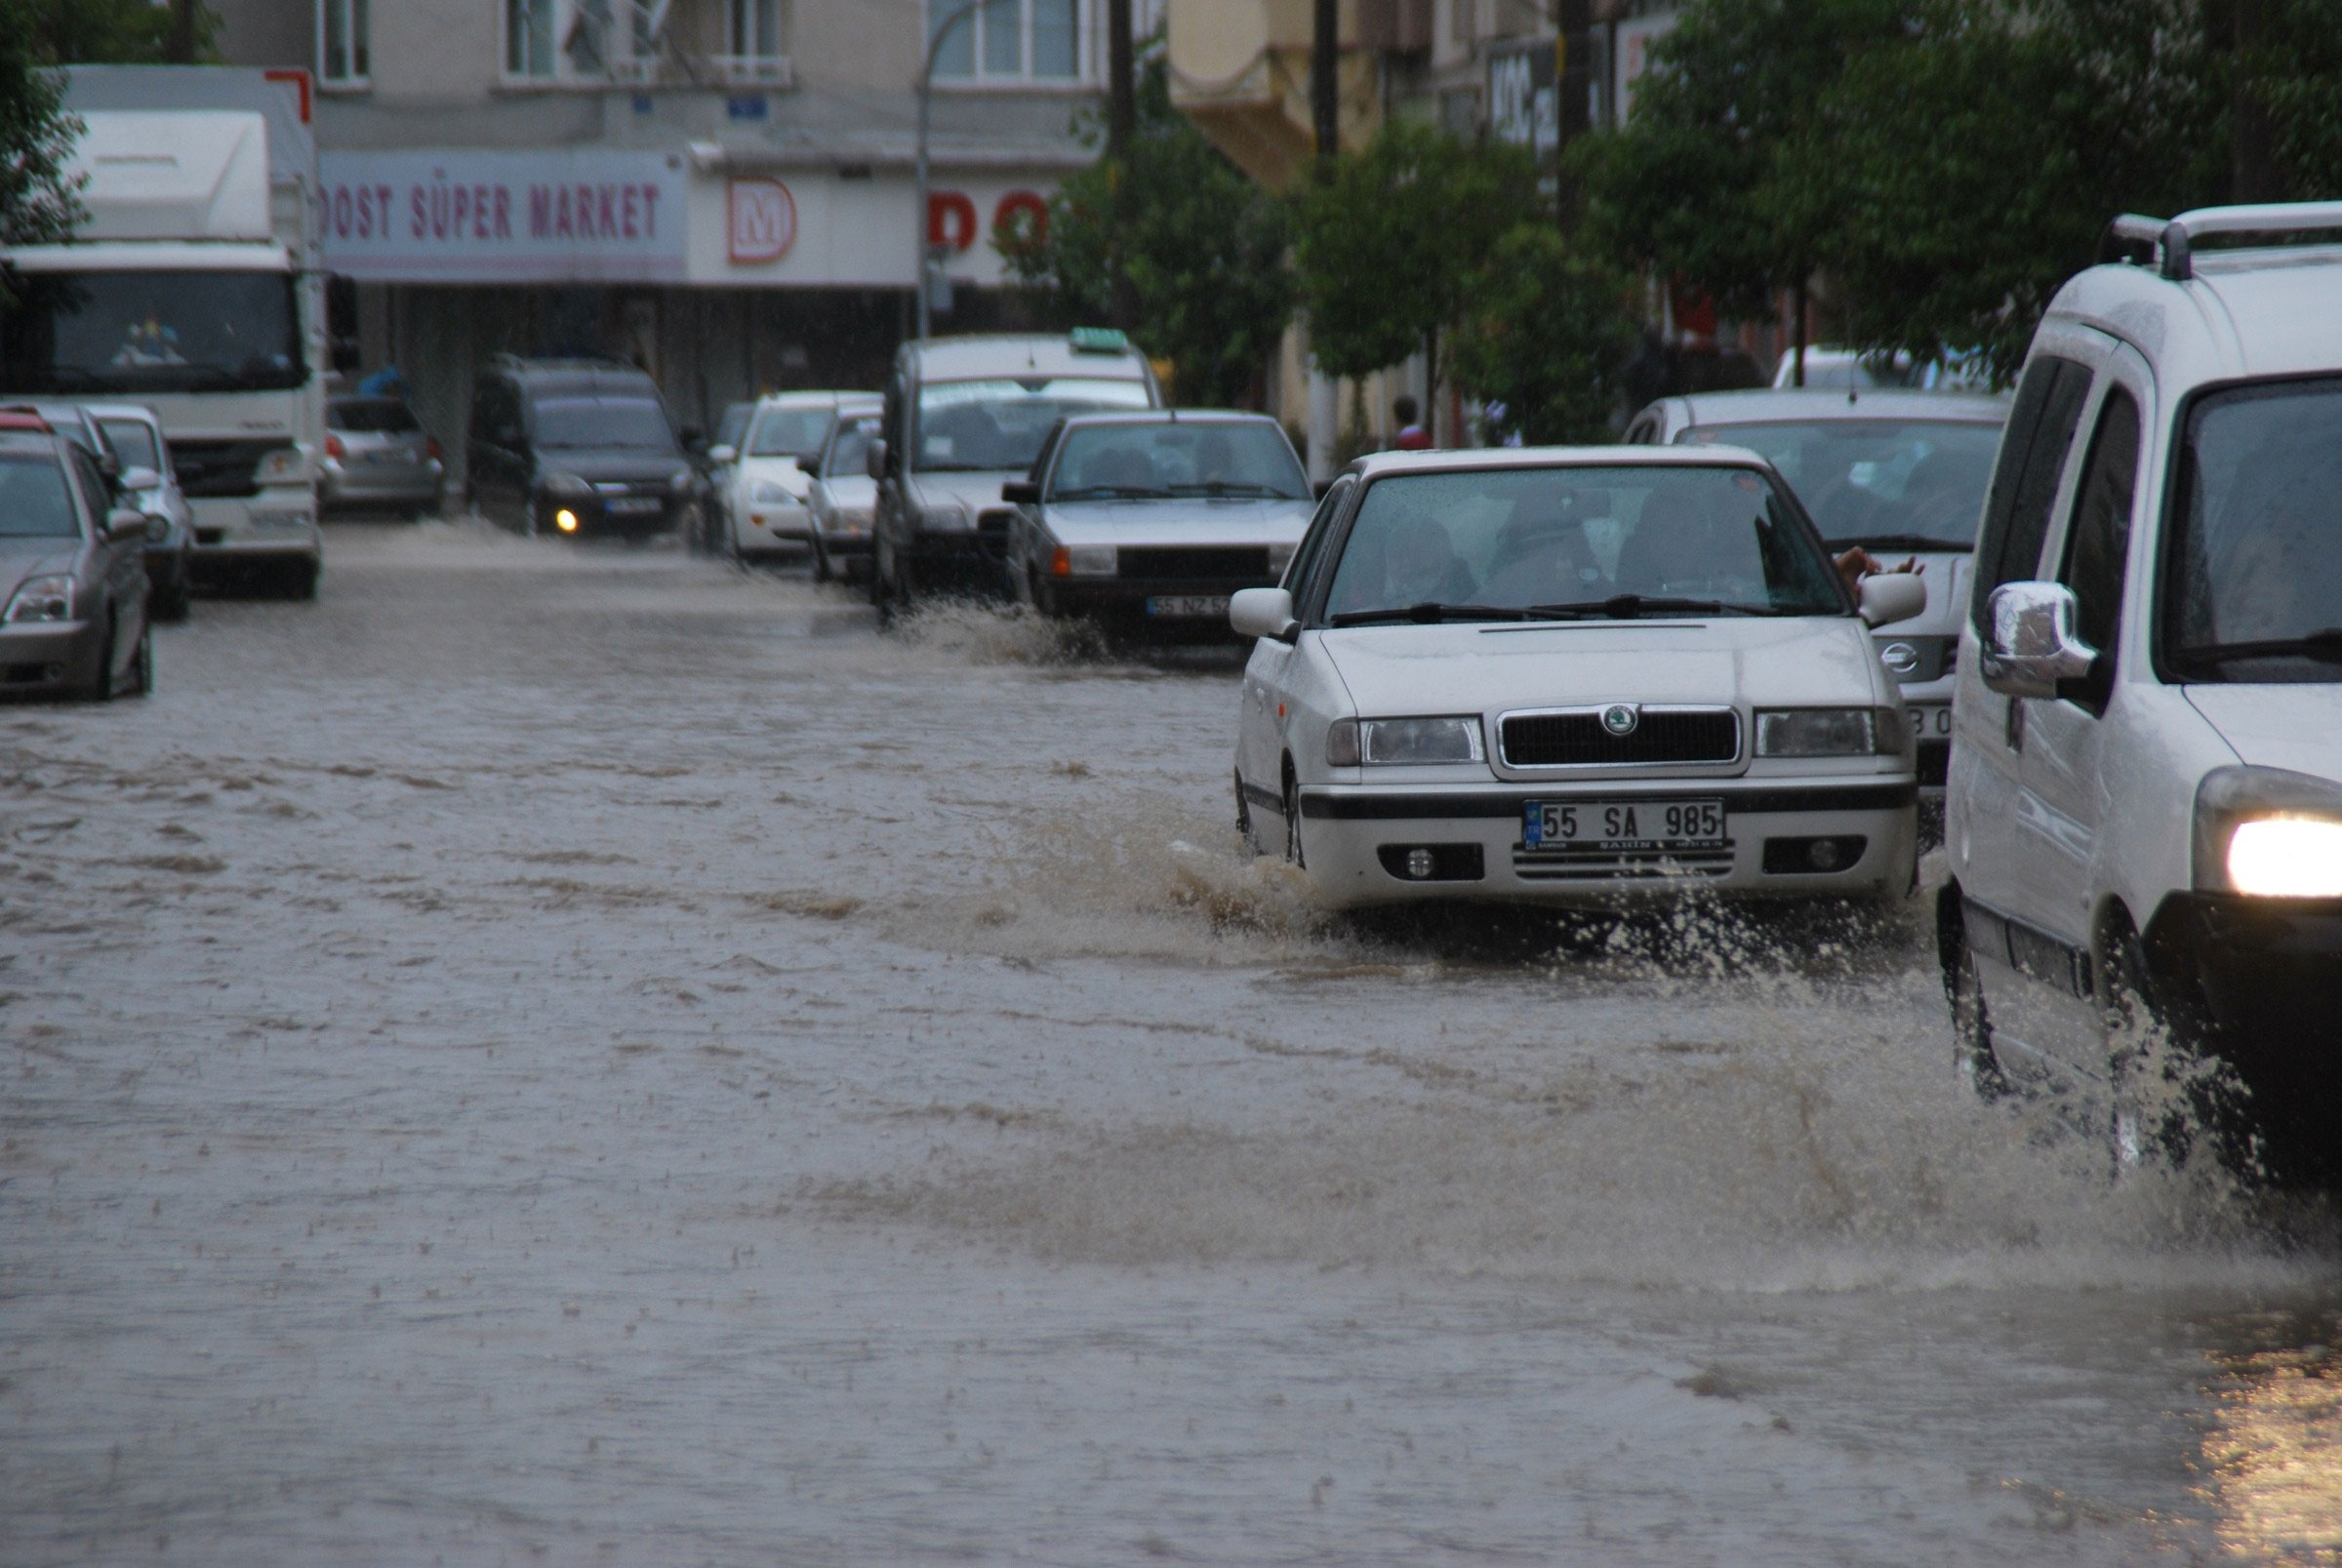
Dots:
pixel 2170 243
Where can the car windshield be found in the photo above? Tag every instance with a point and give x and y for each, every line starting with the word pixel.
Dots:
pixel 792 432
pixel 1208 457
pixel 999 425
pixel 370 415
pixel 133 441
pixel 850 453
pixel 151 331
pixel 1495 544
pixel 733 425
pixel 603 422
pixel 33 504
pixel 1898 484
pixel 2252 586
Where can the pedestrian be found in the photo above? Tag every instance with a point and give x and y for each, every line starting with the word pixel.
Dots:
pixel 1412 436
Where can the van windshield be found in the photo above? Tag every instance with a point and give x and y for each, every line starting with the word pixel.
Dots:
pixel 998 426
pixel 603 422
pixel 2252 587
pixel 1609 541
pixel 81 333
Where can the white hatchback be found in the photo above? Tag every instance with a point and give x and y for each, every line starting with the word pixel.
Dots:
pixel 769 479
pixel 1574 674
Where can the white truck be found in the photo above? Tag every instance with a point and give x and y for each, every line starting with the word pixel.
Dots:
pixel 194 288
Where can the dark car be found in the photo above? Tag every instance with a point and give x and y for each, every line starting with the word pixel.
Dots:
pixel 72 572
pixel 577 447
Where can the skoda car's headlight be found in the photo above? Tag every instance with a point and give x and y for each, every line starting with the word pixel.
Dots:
pixel 1827 732
pixel 2269 833
pixel 1402 743
pixel 40 598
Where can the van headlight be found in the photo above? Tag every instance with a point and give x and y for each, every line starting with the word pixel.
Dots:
pixel 279 467
pixel 2269 833
pixel 1827 732
pixel 1403 743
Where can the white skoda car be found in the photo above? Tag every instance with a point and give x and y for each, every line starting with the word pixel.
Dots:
pixel 1569 676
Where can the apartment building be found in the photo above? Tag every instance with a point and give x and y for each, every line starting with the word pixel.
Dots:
pixel 721 191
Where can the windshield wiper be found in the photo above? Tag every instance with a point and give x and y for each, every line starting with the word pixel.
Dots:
pixel 1431 613
pixel 1111 492
pixel 2322 646
pixel 1922 542
pixel 1627 606
pixel 1224 486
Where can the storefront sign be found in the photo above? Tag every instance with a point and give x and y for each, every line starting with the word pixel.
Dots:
pixel 1525 103
pixel 476 216
pixel 762 218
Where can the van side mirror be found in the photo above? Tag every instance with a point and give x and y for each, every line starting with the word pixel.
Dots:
pixel 1886 598
pixel 1263 613
pixel 2029 643
pixel 123 523
pixel 874 460
pixel 1020 492
pixel 138 479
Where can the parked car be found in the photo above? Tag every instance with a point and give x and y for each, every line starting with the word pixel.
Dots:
pixel 1570 675
pixel 1900 474
pixel 1152 520
pixel 1829 366
pixel 377 457
pixel 577 447
pixel 2145 807
pixel 715 458
pixel 771 473
pixel 72 572
pixel 843 495
pixel 147 481
pixel 964 415
pixel 129 462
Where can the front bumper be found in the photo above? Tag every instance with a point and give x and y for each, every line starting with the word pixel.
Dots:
pixel 50 658
pixel 273 526
pixel 1141 600
pixel 771 529
pixel 1358 840
pixel 596 517
pixel 388 484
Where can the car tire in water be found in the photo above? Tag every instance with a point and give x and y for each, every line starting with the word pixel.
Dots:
pixel 2166 1102
pixel 1248 834
pixel 1972 1055
pixel 169 603
pixel 1294 849
pixel 300 580
pixel 821 571
pixel 141 664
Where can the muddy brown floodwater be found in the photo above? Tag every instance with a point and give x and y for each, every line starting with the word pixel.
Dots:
pixel 555 1055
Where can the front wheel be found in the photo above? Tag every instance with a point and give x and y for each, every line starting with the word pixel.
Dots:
pixel 141 664
pixel 1294 850
pixel 1972 1055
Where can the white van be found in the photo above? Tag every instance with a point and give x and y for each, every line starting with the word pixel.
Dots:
pixel 2144 810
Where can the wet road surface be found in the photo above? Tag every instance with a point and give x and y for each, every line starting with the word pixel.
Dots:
pixel 554 1055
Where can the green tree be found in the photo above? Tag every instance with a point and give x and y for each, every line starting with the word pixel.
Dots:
pixel 2297 72
pixel 107 32
pixel 38 200
pixel 1696 185
pixel 1546 334
pixel 1389 241
pixel 1200 247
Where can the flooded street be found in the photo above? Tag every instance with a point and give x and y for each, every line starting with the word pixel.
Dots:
pixel 553 1055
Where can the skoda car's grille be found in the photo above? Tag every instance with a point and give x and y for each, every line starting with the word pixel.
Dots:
pixel 1196 562
pixel 1582 738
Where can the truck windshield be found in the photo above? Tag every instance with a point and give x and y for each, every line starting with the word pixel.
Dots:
pixel 1001 425
pixel 79 332
pixel 2252 584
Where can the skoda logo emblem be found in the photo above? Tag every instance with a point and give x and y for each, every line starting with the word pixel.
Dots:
pixel 1621 718
pixel 1900 657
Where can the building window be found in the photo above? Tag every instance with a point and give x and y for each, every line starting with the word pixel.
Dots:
pixel 341 43
pixel 580 40
pixel 753 31
pixel 1009 41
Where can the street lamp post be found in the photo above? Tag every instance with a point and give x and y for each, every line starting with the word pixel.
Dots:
pixel 935 44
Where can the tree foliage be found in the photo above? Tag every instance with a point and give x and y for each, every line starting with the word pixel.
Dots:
pixel 1390 241
pixel 106 33
pixel 1546 334
pixel 1202 250
pixel 38 200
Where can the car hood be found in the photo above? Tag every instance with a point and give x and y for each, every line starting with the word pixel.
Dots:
pixel 634 466
pixel 1186 520
pixel 977 491
pixel 20 558
pixel 2291 726
pixel 1822 661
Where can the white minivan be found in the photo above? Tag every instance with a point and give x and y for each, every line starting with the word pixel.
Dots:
pixel 2144 810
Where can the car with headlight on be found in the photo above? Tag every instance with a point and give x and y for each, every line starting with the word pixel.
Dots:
pixel 72 572
pixel 1149 522
pixel 1899 474
pixel 575 448
pixel 1574 675
pixel 2143 914
pixel 768 478
pixel 963 417
pixel 843 496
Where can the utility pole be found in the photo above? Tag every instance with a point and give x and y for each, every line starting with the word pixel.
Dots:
pixel 919 217
pixel 1326 82
pixel 1121 129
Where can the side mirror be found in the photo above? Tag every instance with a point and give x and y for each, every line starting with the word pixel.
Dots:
pixel 125 522
pixel 1020 492
pixel 721 455
pixel 1263 613
pixel 874 460
pixel 138 479
pixel 1886 598
pixel 2029 641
